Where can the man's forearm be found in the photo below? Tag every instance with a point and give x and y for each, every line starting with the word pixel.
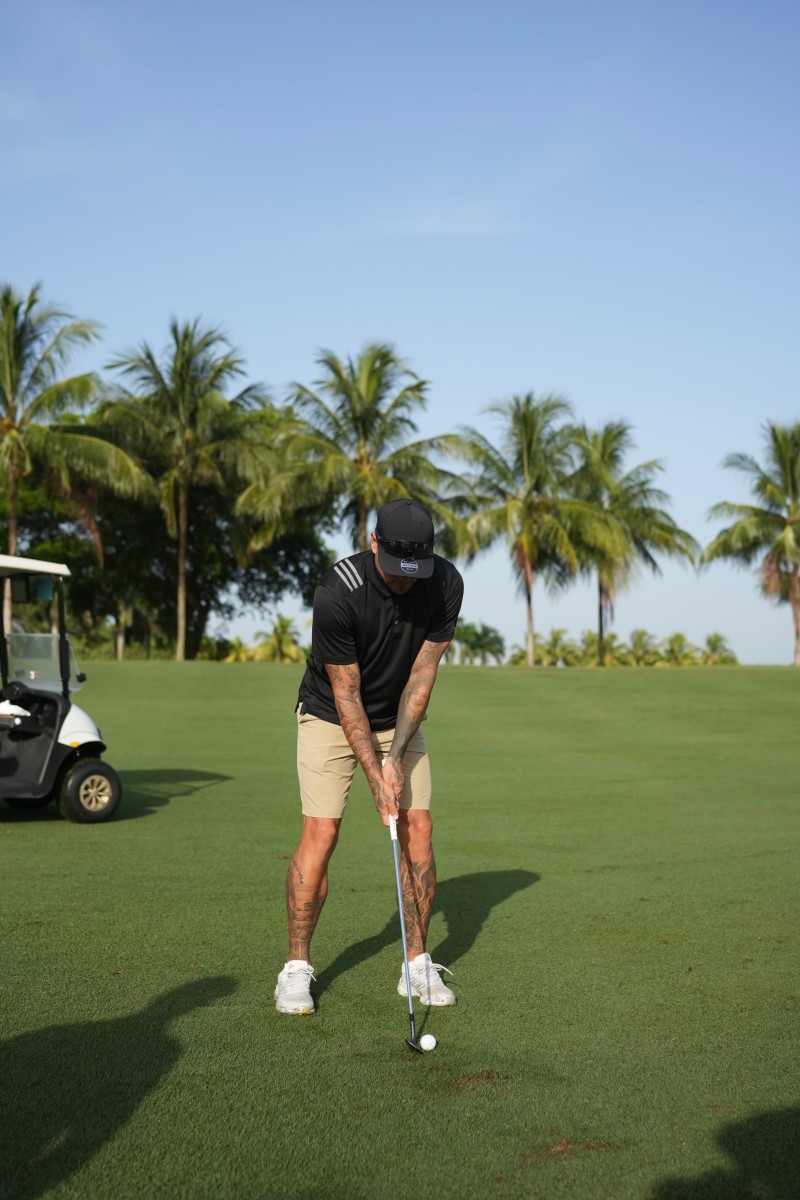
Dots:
pixel 414 700
pixel 355 724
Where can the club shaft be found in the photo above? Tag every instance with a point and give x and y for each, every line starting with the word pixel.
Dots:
pixel 396 853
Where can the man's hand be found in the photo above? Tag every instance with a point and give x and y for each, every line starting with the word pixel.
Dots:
pixel 383 793
pixel 393 774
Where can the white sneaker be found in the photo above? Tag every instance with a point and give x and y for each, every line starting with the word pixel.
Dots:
pixel 293 993
pixel 425 982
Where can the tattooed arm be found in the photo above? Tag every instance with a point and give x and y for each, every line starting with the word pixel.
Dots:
pixel 413 703
pixel 346 684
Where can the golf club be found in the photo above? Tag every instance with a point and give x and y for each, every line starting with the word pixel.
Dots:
pixel 412 1041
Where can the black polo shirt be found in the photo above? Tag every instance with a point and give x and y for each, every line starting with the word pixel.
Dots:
pixel 358 620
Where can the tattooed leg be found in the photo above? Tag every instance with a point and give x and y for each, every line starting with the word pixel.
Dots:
pixel 417 876
pixel 307 882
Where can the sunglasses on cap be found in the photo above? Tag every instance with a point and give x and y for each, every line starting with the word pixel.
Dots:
pixel 406 549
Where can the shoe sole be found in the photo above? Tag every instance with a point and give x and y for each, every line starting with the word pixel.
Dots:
pixel 295 1012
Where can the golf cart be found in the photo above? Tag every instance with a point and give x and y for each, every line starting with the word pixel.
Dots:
pixel 49 748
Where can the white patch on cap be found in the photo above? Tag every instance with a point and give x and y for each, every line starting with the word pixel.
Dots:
pixel 409 566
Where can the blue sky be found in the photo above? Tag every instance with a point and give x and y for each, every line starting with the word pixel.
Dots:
pixel 594 200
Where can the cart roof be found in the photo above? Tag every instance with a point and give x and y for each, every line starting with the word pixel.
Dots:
pixel 11 565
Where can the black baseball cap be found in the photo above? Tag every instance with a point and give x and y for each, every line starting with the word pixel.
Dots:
pixel 404 530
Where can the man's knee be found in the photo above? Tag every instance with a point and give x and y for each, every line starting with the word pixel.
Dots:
pixel 417 824
pixel 319 836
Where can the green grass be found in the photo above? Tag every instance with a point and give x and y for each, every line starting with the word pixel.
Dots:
pixel 618 857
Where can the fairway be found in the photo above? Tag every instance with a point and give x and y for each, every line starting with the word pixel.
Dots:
pixel 618 859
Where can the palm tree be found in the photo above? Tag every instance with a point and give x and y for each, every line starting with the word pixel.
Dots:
pixel 770 529
pixel 717 652
pixel 588 649
pixel 488 643
pixel 284 482
pixel 518 657
pixel 38 429
pixel 634 505
pixel 677 651
pixel 522 497
pixel 280 644
pixel 615 653
pixel 238 651
pixel 642 649
pixel 358 423
pixel 558 649
pixel 191 434
pixel 449 655
pixel 465 637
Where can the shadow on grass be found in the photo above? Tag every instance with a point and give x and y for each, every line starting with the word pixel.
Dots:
pixel 465 902
pixel 146 791
pixel 766 1153
pixel 66 1090
pixel 143 792
pixel 23 816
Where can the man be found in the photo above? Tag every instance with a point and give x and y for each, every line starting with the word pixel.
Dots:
pixel 382 621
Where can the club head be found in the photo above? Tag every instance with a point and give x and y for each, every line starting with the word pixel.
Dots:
pixel 414 1046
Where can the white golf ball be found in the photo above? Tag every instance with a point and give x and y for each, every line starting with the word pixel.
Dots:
pixel 427 1041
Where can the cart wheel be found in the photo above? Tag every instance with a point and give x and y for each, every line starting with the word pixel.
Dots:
pixel 91 791
pixel 23 805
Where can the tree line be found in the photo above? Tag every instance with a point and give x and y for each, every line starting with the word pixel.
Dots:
pixel 176 494
pixel 480 644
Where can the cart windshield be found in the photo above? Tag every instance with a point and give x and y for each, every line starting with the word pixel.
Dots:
pixel 33 660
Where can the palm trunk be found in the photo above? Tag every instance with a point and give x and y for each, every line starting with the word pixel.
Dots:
pixel 600 631
pixel 124 622
pixel 363 513
pixel 794 600
pixel 13 521
pixel 88 509
pixel 119 634
pixel 530 644
pixel 183 530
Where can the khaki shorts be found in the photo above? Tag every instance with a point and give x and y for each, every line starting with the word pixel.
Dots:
pixel 326 765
